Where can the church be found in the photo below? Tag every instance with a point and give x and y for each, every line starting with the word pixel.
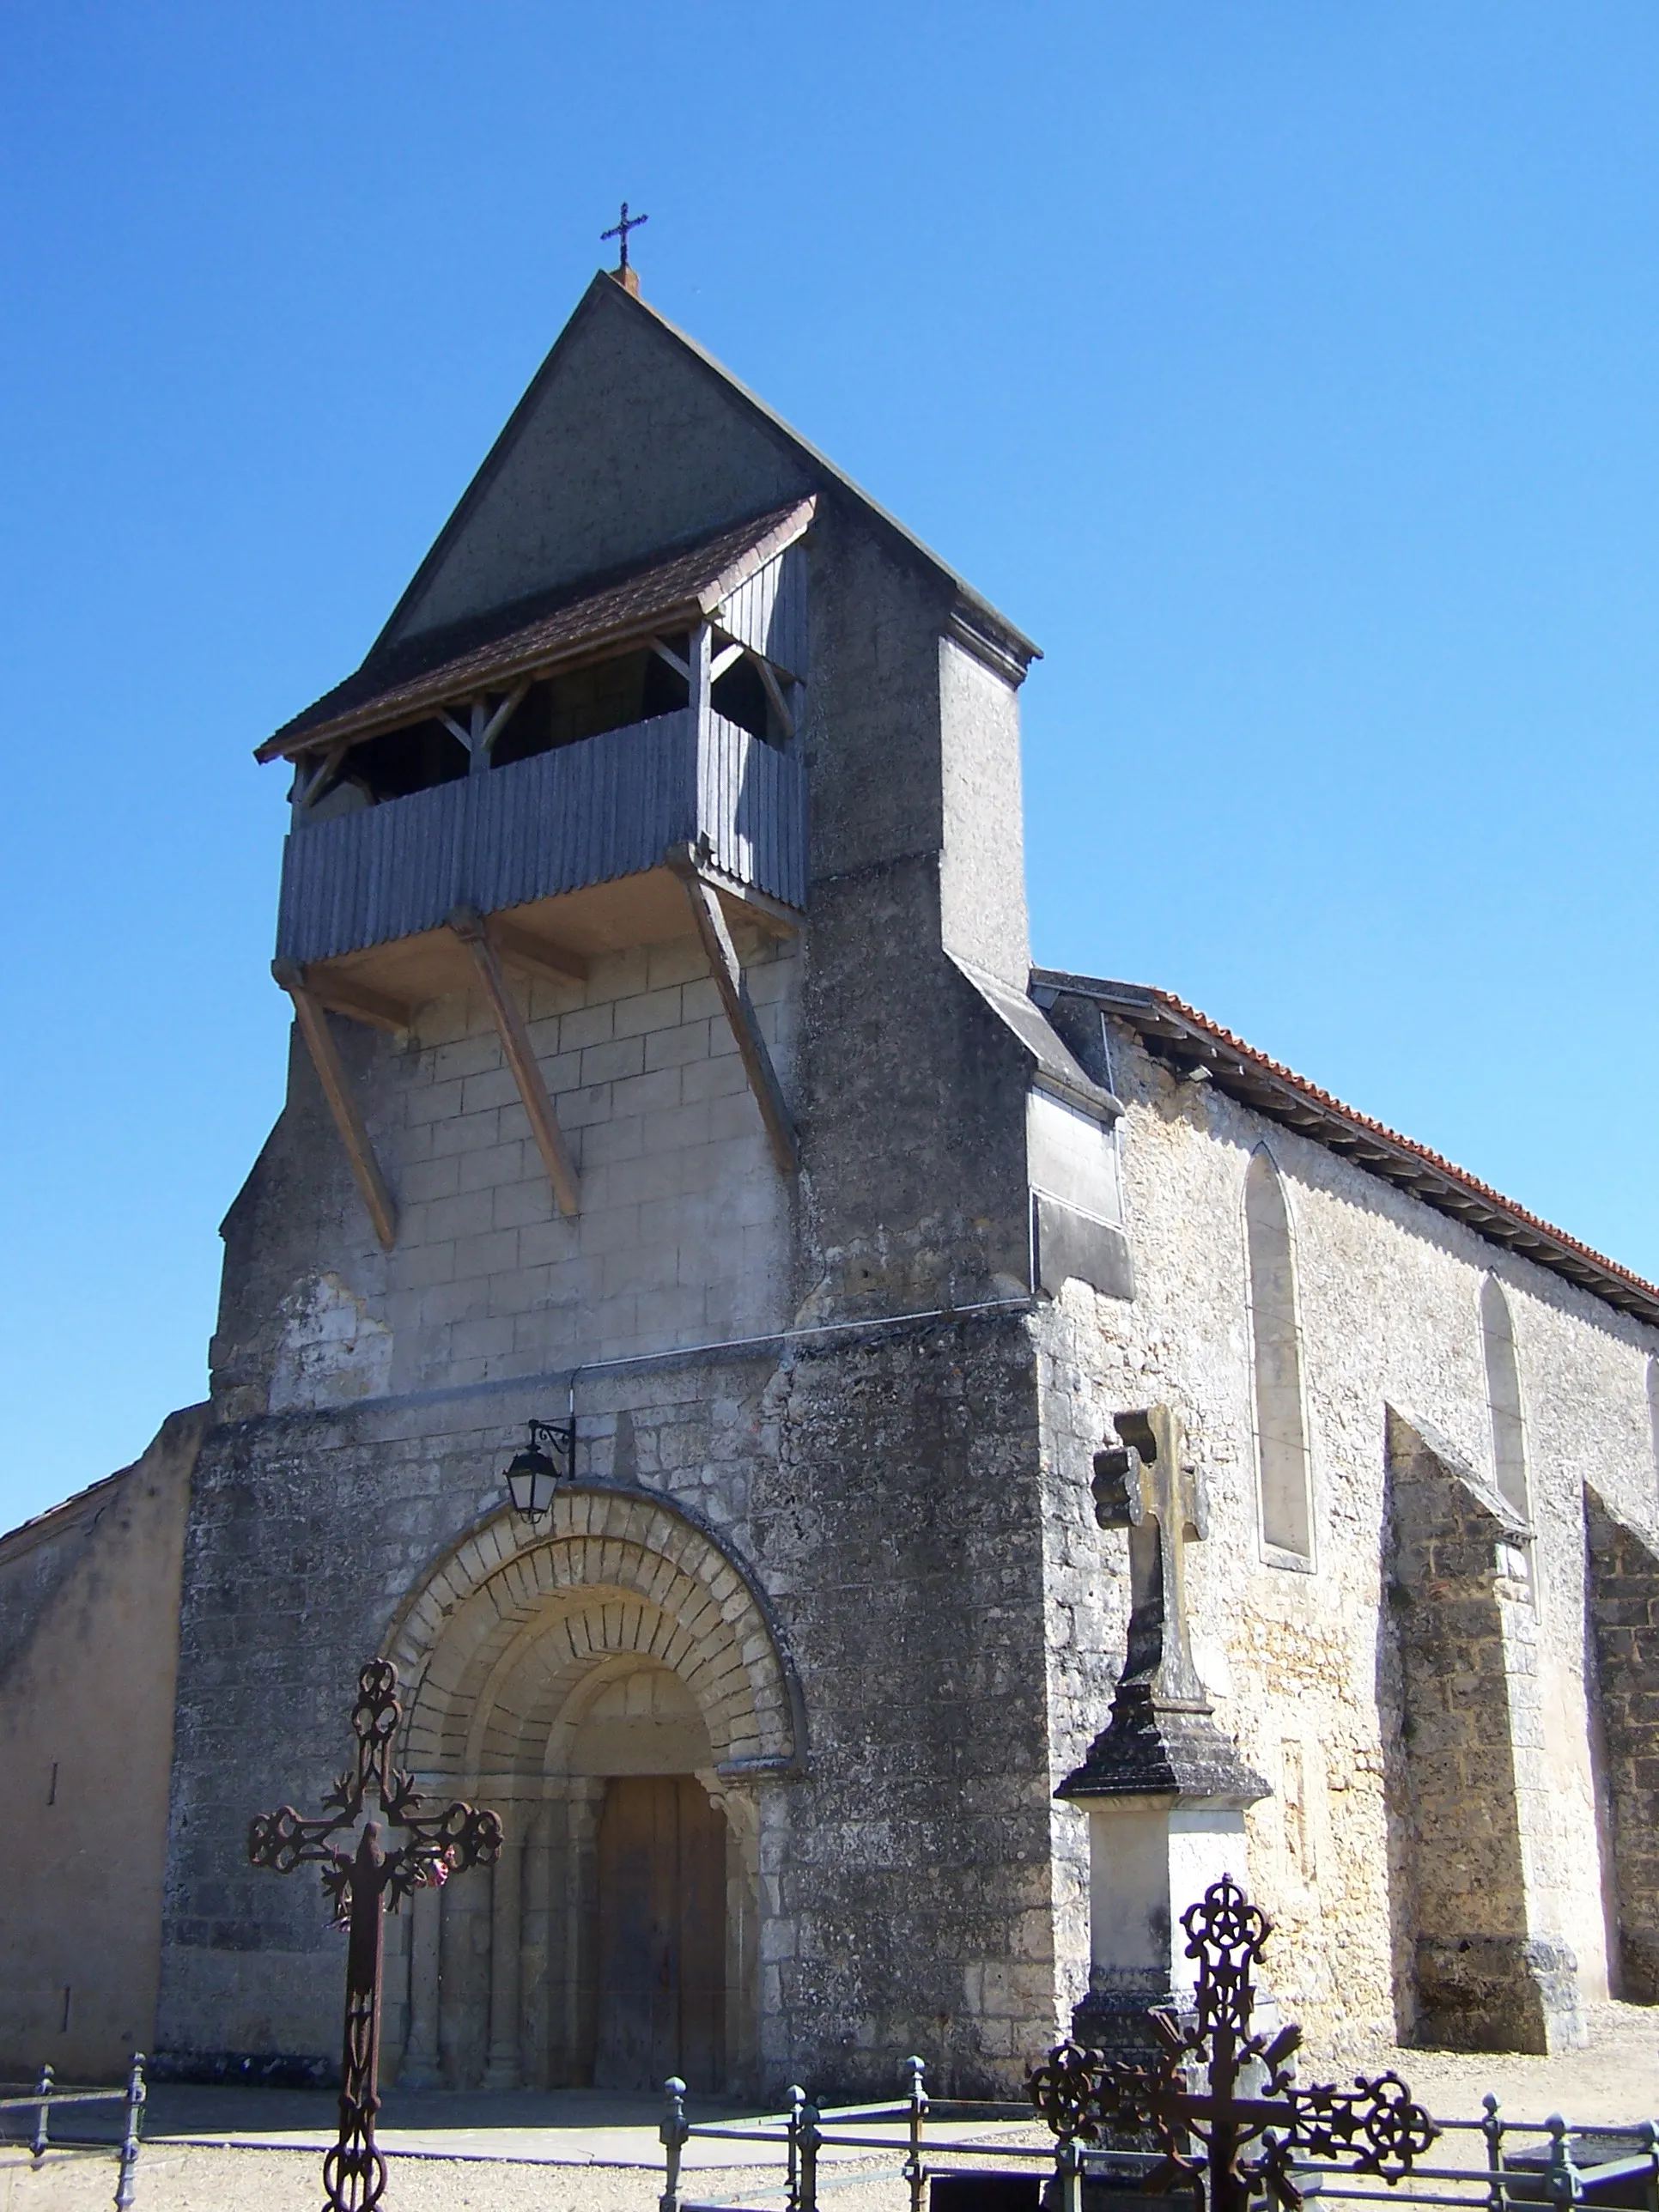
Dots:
pixel 1004 1449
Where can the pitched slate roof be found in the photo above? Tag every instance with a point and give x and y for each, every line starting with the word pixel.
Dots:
pixel 1179 1034
pixel 438 667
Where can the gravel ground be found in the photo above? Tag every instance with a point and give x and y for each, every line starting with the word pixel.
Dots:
pixel 1616 2078
pixel 176 2178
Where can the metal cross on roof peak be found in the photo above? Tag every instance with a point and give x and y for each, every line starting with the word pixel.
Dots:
pixel 620 233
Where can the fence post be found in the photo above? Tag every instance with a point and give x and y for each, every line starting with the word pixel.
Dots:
pixel 1563 2180
pixel 1649 2131
pixel 1068 2167
pixel 811 2136
pixel 1493 2128
pixel 38 2149
pixel 1650 2141
pixel 126 2186
pixel 672 2135
pixel 797 2106
pixel 915 2171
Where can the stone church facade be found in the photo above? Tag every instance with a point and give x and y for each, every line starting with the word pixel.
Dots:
pixel 669 1064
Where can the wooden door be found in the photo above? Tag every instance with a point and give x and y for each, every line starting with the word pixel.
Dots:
pixel 662 1935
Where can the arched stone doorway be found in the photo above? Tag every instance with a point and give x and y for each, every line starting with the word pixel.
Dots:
pixel 612 1684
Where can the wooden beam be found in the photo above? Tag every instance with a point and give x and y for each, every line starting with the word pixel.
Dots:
pixel 698 678
pixel 722 955
pixel 765 913
pixel 727 656
pixel 504 715
pixel 469 925
pixel 534 957
pixel 781 705
pixel 326 768
pixel 342 1103
pixel 358 1003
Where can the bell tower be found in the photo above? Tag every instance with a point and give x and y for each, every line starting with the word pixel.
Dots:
pixel 665 1072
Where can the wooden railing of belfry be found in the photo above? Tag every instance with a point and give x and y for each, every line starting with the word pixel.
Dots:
pixel 588 813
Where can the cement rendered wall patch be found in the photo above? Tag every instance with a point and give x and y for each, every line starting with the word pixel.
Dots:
pixel 86 1739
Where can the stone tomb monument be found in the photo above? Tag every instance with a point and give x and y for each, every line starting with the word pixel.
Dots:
pixel 1165 1788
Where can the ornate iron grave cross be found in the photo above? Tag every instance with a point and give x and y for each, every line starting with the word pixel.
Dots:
pixel 366 1884
pixel 620 233
pixel 1199 2104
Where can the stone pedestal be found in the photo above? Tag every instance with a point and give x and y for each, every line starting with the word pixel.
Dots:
pixel 1149 1859
pixel 1165 1793
pixel 1164 1790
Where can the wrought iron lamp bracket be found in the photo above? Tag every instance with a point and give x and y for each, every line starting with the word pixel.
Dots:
pixel 561 1436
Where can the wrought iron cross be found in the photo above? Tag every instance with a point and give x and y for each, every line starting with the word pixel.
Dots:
pixel 366 1884
pixel 620 233
pixel 1192 2095
pixel 1144 1484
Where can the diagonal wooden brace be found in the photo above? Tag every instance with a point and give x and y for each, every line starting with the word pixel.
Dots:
pixel 710 918
pixel 470 926
pixel 342 1104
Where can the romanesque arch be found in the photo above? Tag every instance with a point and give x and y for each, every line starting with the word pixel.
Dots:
pixel 613 1682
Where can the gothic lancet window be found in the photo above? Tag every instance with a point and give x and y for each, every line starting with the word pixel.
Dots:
pixel 1509 1444
pixel 1281 1431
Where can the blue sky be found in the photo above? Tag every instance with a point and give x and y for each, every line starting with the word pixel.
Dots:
pixel 1285 368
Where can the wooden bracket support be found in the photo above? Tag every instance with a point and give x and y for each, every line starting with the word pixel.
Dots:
pixel 476 934
pixel 722 955
pixel 482 727
pixel 342 1104
pixel 534 957
pixel 358 1003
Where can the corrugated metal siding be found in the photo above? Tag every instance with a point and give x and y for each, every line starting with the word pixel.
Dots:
pixel 769 613
pixel 585 814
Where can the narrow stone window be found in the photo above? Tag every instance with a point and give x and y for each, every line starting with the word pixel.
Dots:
pixel 1653 1413
pixel 1281 1433
pixel 1509 1442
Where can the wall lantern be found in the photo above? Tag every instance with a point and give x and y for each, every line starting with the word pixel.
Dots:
pixel 532 1475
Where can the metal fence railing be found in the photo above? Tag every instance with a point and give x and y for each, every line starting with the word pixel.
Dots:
pixel 1518 2163
pixel 1513 2164
pixel 47 2099
pixel 806 2130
